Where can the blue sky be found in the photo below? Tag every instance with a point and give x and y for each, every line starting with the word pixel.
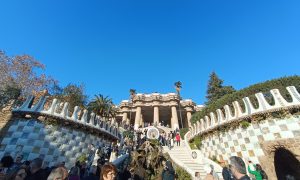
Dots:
pixel 112 46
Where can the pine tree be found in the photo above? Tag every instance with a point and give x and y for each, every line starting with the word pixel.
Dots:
pixel 215 88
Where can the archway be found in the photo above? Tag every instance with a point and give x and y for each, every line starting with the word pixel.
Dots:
pixel 286 164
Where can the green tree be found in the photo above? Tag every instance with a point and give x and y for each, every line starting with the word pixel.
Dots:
pixel 132 93
pixel 102 106
pixel 178 86
pixel 73 94
pixel 55 89
pixel 8 93
pixel 215 88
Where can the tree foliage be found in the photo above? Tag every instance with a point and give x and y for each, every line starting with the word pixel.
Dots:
pixel 102 106
pixel 178 86
pixel 9 92
pixel 215 88
pixel 21 72
pixel 73 94
pixel 182 173
pixel 132 93
pixel 183 131
pixel 195 143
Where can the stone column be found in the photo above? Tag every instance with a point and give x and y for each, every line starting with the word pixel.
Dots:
pixel 189 116
pixel 137 117
pixel 156 115
pixel 174 123
pixel 142 121
pixel 125 116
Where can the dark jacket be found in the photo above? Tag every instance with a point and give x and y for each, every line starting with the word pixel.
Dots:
pixel 40 175
pixel 227 174
pixel 246 177
pixel 168 173
pixel 127 175
pixel 91 177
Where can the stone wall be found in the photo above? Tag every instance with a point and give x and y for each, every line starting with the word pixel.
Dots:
pixel 4 118
pixel 53 143
pixel 5 115
pixel 255 141
pixel 269 147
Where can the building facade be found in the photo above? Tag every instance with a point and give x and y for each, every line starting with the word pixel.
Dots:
pixel 157 109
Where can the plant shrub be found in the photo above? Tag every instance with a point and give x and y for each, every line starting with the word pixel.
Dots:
pixel 183 131
pixel 214 158
pixel 244 124
pixel 129 134
pixel 195 143
pixel 82 158
pixel 155 142
pixel 182 174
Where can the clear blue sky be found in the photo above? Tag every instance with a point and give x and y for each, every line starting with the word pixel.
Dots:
pixel 112 46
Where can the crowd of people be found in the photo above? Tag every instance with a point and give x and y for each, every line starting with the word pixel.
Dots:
pixel 165 139
pixel 98 164
pixel 32 170
pixel 235 170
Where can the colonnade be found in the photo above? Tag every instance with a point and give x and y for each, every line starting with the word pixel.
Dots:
pixel 174 119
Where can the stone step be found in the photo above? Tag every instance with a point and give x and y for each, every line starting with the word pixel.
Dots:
pixel 180 153
pixel 187 160
pixel 198 169
pixel 194 165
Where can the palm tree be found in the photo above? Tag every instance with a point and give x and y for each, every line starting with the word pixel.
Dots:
pixel 102 106
pixel 132 93
pixel 178 86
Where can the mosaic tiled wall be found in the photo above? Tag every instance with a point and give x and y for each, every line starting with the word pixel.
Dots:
pixel 52 143
pixel 246 142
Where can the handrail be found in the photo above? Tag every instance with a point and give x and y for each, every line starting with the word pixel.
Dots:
pixel 211 121
pixel 199 156
pixel 94 122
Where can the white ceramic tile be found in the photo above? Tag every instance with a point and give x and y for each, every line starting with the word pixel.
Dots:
pixel 286 134
pixel 32 156
pixel 38 143
pixel 6 140
pixel 269 137
pixel 274 129
pixel 28 129
pixel 33 136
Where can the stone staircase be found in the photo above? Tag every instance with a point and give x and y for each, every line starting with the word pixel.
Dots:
pixel 181 156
